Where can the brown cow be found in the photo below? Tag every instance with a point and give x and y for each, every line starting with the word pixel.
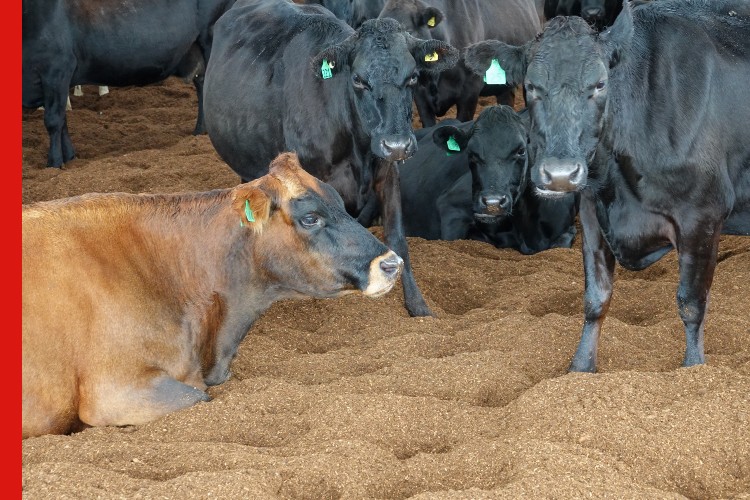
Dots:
pixel 134 304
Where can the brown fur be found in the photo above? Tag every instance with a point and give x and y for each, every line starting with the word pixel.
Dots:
pixel 133 304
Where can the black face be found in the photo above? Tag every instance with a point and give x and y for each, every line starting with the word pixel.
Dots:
pixel 566 91
pixel 592 11
pixel 496 147
pixel 329 251
pixel 383 64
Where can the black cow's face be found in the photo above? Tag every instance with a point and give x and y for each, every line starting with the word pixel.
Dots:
pixel 305 241
pixel 382 63
pixel 592 11
pixel 565 72
pixel 496 148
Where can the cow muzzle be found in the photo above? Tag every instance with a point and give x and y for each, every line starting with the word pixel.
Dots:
pixel 384 271
pixel 396 147
pixel 490 207
pixel 558 177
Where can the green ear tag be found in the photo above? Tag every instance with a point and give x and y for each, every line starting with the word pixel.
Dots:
pixel 452 144
pixel 325 70
pixel 495 75
pixel 249 212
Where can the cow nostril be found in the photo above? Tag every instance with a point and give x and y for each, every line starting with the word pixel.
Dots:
pixel 504 202
pixel 491 201
pixel 546 176
pixel 391 266
pixel 577 174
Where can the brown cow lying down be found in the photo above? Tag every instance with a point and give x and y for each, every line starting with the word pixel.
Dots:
pixel 134 304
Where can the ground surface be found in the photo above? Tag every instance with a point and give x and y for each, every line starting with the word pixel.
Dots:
pixel 352 398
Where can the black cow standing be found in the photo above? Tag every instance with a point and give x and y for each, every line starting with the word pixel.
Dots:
pixel 598 13
pixel 286 77
pixel 461 23
pixel 133 42
pixel 471 181
pixel 650 122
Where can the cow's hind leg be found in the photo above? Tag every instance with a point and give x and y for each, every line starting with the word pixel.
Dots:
pixel 599 267
pixel 200 127
pixel 122 404
pixel 388 190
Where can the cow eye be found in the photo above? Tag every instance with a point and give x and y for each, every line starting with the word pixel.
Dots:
pixel 600 85
pixel 521 152
pixel 412 80
pixel 359 82
pixel 309 221
pixel 530 87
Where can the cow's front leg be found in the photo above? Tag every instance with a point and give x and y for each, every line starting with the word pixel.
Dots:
pixel 598 266
pixel 388 189
pixel 136 401
pixel 697 251
pixel 55 87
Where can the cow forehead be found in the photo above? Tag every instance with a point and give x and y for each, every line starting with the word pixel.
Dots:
pixel 566 56
pixel 383 56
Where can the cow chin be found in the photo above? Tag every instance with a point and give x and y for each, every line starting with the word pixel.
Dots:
pixel 488 218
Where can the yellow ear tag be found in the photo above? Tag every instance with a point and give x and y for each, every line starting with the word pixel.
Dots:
pixel 431 57
pixel 431 22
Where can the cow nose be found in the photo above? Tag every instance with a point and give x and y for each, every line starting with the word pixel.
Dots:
pixel 396 148
pixel 562 176
pixel 496 204
pixel 391 266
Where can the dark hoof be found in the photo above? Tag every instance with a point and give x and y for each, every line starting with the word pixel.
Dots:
pixel 693 361
pixel 419 310
pixel 581 367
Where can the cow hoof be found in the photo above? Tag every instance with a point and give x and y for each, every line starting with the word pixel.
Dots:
pixel 419 310
pixel 692 361
pixel 582 368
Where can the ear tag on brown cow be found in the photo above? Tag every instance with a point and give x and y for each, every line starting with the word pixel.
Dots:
pixel 431 22
pixel 495 74
pixel 431 57
pixel 452 144
pixel 325 70
pixel 249 212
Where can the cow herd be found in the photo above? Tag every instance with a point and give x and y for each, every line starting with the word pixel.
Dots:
pixel 637 125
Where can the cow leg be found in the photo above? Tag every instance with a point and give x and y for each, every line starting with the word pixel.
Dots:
pixel 697 258
pixel 130 404
pixel 200 128
pixel 467 106
pixel 599 268
pixel 388 189
pixel 55 97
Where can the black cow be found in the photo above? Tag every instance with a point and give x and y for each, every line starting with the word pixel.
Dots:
pixel 650 123
pixel 598 13
pixel 339 8
pixel 482 190
pixel 364 10
pixel 68 43
pixel 293 77
pixel 462 23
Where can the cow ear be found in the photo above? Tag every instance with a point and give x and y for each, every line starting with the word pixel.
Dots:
pixel 329 62
pixel 512 59
pixel 451 139
pixel 251 205
pixel 433 56
pixel 430 17
pixel 617 38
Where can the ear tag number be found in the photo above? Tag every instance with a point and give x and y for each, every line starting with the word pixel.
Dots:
pixel 325 70
pixel 431 22
pixel 495 74
pixel 249 212
pixel 452 144
pixel 431 57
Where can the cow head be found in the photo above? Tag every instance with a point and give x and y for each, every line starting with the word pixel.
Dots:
pixel 304 241
pixel 565 71
pixel 496 149
pixel 414 16
pixel 382 63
